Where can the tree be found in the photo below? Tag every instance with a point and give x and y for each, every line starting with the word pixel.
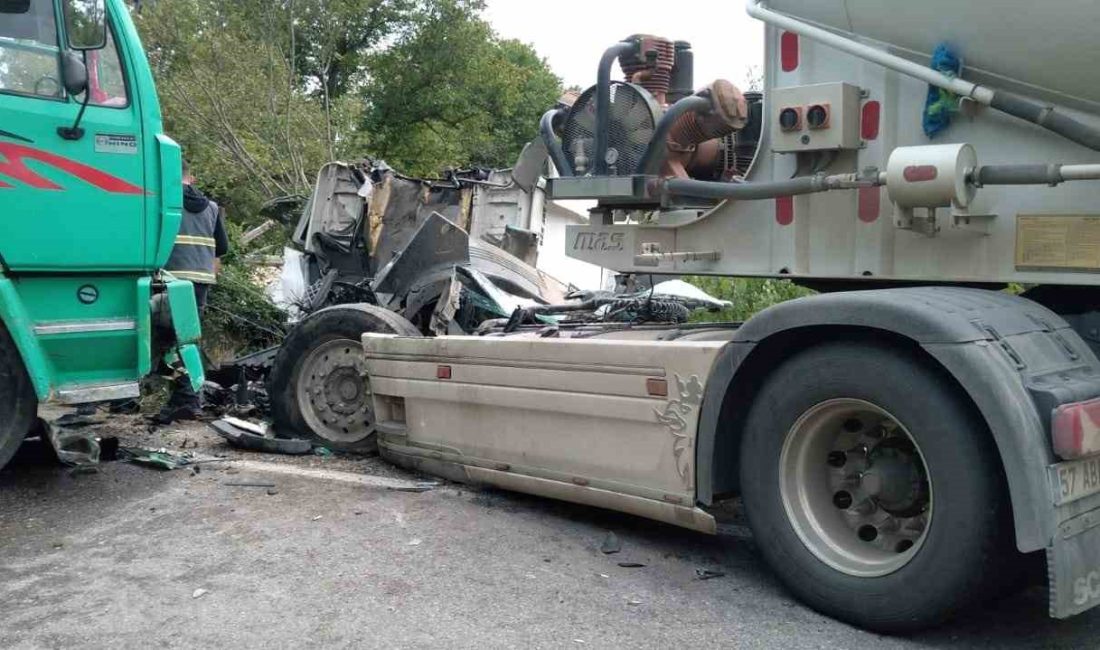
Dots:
pixel 334 38
pixel 449 92
pixel 234 101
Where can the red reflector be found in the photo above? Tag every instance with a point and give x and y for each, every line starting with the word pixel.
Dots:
pixel 869 199
pixel 1076 429
pixel 788 51
pixel 784 210
pixel 656 387
pixel 443 372
pixel 920 173
pixel 868 127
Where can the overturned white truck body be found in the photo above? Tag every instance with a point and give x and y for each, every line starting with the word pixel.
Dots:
pixel 909 442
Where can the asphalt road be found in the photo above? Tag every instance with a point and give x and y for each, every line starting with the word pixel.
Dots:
pixel 137 558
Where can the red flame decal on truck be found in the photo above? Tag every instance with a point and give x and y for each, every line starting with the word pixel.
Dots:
pixel 13 165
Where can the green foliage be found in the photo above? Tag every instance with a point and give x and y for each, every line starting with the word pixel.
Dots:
pixel 239 317
pixel 261 93
pixel 333 39
pixel 748 295
pixel 450 93
pixel 249 127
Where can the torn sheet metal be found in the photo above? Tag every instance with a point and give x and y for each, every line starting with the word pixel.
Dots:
pixel 437 243
pixel 74 447
pixel 447 306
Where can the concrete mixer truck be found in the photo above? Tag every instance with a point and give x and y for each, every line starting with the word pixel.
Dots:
pixel 909 442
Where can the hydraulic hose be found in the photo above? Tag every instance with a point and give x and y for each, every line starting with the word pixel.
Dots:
pixel 658 146
pixel 745 191
pixel 603 102
pixel 1052 174
pixel 770 189
pixel 553 145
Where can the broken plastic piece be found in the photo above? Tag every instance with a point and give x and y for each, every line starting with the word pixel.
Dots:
pixel 245 439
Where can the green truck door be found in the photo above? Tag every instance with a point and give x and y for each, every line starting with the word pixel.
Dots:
pixel 66 204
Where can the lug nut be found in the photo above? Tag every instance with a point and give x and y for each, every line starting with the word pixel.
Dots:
pixel 842 500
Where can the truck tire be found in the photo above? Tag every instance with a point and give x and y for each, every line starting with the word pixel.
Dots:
pixel 18 402
pixel 316 386
pixel 873 488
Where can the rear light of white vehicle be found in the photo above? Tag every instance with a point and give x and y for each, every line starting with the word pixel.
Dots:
pixel 1076 429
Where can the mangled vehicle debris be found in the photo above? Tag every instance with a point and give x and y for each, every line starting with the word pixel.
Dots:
pixel 378 251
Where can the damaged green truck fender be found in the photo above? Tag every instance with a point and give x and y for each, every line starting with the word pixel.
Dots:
pixel 59 357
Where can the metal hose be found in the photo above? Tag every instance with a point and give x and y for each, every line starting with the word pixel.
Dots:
pixel 658 145
pixel 553 145
pixel 746 191
pixel 603 102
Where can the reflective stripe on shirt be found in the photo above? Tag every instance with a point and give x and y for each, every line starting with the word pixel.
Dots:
pixel 193 240
pixel 195 276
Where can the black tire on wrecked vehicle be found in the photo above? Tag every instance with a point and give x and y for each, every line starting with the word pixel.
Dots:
pixel 874 487
pixel 316 386
pixel 18 402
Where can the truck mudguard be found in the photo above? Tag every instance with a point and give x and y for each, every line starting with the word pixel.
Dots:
pixel 1013 358
pixel 14 316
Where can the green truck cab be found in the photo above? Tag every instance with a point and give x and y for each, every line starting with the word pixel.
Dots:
pixel 90 205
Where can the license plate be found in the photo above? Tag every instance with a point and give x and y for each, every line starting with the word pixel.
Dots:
pixel 1075 479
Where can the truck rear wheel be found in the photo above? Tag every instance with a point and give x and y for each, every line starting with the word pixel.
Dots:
pixel 18 402
pixel 317 385
pixel 873 488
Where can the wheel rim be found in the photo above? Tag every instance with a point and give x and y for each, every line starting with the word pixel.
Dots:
pixel 333 392
pixel 855 487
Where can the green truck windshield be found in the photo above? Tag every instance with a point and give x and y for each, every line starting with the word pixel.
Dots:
pixel 29 59
pixel 29 52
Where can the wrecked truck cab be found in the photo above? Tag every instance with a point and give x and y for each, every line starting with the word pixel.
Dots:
pixel 388 253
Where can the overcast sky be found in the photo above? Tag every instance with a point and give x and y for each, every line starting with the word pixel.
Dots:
pixel 572 34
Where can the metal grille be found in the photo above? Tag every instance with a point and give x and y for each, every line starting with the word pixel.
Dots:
pixel 633 118
pixel 747 139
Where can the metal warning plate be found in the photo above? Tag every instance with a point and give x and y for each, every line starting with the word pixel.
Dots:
pixel 1058 242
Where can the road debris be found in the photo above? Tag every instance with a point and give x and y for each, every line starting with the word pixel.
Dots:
pixel 631 565
pixel 77 419
pixel 611 544
pixel 708 574
pixel 161 459
pixel 73 447
pixel 199 593
pixel 418 487
pixel 252 437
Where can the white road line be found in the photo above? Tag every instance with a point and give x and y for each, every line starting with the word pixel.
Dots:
pixel 333 475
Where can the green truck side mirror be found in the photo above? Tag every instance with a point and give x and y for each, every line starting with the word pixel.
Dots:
pixel 74 74
pixel 86 24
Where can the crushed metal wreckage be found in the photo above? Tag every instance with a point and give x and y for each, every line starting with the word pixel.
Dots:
pixel 453 255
